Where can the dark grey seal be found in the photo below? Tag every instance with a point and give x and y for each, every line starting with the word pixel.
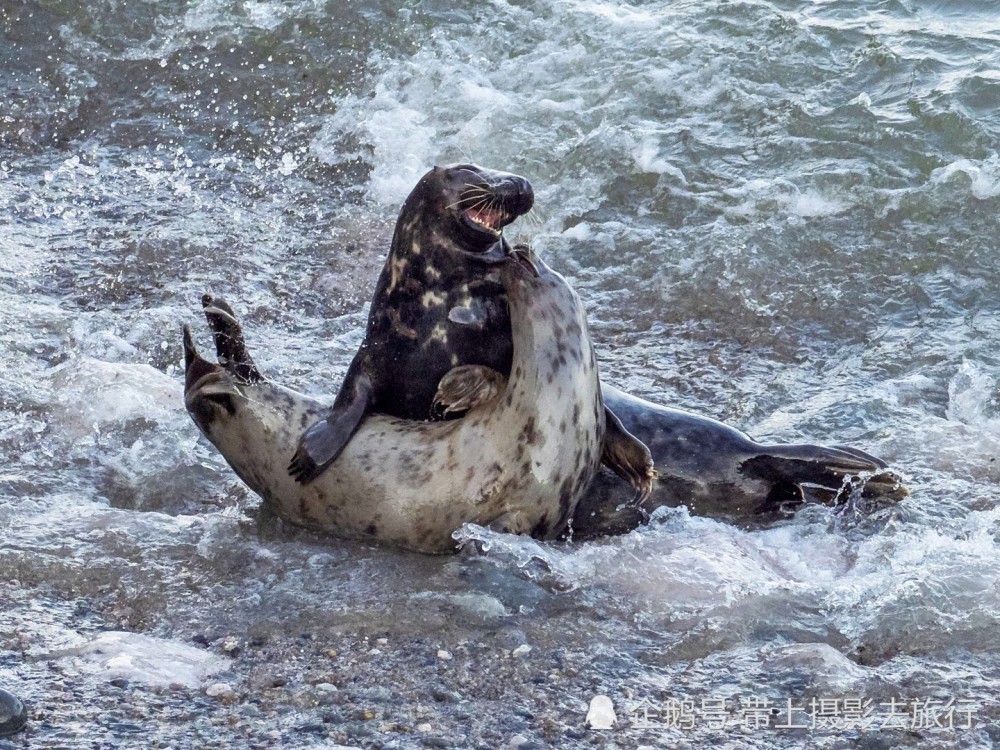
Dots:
pixel 718 471
pixel 519 460
pixel 438 304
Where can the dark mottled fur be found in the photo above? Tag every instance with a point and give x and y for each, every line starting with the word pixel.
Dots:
pixel 437 305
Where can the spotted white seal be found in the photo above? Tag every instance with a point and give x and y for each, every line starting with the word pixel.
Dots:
pixel 518 460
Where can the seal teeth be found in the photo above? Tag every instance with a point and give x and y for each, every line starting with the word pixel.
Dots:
pixel 487 218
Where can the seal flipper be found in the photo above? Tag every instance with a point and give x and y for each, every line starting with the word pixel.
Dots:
pixel 323 441
pixel 829 470
pixel 195 366
pixel 627 456
pixel 230 346
pixel 466 387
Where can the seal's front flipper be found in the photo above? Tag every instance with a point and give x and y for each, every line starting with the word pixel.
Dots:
pixel 627 456
pixel 324 441
pixel 230 346
pixel 466 387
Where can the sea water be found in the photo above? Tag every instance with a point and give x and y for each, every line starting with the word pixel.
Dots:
pixel 780 214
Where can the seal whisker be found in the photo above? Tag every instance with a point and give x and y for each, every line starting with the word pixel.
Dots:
pixel 467 198
pixel 531 218
pixel 480 204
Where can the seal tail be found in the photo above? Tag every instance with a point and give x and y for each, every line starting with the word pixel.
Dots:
pixel 830 473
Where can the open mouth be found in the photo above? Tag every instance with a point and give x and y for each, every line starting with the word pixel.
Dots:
pixel 490 220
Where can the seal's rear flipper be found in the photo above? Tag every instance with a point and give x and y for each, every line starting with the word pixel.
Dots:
pixel 230 346
pixel 627 456
pixel 466 387
pixel 195 366
pixel 828 472
pixel 323 442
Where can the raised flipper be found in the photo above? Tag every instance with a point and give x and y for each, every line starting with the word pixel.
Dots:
pixel 466 387
pixel 627 456
pixel 195 366
pixel 230 346
pixel 323 441
pixel 209 386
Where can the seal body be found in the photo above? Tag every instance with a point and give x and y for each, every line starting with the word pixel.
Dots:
pixel 718 471
pixel 518 461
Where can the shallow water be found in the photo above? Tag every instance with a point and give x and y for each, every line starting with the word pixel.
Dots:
pixel 780 214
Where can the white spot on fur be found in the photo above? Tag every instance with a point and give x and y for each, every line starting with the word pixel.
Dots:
pixel 440 333
pixel 398 269
pixel 432 299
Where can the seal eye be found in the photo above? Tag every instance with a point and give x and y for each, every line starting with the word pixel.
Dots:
pixel 223 400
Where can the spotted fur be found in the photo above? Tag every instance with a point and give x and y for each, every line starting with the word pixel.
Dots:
pixel 518 463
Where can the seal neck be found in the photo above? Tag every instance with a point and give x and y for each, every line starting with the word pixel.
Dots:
pixel 551 340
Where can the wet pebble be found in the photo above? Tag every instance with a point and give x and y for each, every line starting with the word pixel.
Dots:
pixel 13 715
pixel 357 729
pixel 432 741
pixel 510 637
pixel 332 716
pixel 311 728
pixel 219 690
pixel 443 695
pixel 520 742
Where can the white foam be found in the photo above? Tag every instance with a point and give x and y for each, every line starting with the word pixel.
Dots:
pixel 647 159
pixel 970 395
pixel 142 658
pixel 983 176
pixel 812 203
pixel 91 394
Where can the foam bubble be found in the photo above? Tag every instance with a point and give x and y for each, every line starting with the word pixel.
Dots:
pixel 983 176
pixel 142 658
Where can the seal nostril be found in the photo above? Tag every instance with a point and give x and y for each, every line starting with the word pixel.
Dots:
pixel 526 196
pixel 516 193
